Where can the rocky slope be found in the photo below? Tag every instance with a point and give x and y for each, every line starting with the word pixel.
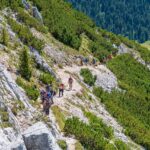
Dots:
pixel 26 127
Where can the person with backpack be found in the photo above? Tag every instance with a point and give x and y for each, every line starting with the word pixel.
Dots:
pixel 48 88
pixel 61 89
pixel 46 106
pixel 70 82
pixel 42 94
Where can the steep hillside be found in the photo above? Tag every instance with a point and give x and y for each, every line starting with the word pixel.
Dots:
pixel 129 17
pixel 45 42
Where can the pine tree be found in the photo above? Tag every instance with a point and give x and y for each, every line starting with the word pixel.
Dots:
pixel 5 37
pixel 25 69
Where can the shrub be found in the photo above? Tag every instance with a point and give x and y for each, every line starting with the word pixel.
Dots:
pixel 46 78
pixel 78 146
pixel 30 89
pixel 62 144
pixel 88 137
pixel 110 147
pixel 97 125
pixel 24 68
pixel 121 145
pixel 5 37
pixel 88 77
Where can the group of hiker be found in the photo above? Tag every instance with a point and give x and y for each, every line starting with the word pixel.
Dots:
pixel 49 93
pixel 80 60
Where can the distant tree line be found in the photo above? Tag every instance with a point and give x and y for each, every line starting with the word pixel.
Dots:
pixel 130 18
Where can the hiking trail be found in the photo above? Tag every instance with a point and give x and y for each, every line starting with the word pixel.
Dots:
pixel 72 104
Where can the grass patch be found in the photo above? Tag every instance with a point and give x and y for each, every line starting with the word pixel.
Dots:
pixel 17 106
pixel 4 117
pixel 60 119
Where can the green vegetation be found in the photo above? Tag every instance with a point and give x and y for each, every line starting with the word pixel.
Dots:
pixel 28 20
pixel 8 3
pixel 30 89
pixel 25 35
pixel 120 145
pixel 62 144
pixel 130 107
pixel 88 78
pixel 4 117
pixel 25 68
pixel 88 137
pixel 5 37
pixel 97 125
pixel 93 135
pixel 78 146
pixel 68 25
pixel 17 106
pixel 46 78
pixel 127 17
pixel 60 119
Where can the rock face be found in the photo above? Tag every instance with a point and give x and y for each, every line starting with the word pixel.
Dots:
pixel 15 92
pixel 38 137
pixel 10 140
pixel 105 78
pixel 57 55
pixel 123 49
pixel 42 63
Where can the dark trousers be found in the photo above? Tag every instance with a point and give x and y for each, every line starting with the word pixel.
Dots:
pixel 61 92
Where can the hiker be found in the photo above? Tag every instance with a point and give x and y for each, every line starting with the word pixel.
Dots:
pixel 70 82
pixel 61 89
pixel 48 88
pixel 85 61
pixel 46 106
pixel 93 61
pixel 42 94
pixel 79 61
pixel 50 96
pixel 44 98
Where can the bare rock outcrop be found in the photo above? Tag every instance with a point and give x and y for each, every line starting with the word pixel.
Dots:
pixel 39 137
pixel 123 49
pixel 10 140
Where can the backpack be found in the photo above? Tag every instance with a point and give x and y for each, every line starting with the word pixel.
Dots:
pixel 49 94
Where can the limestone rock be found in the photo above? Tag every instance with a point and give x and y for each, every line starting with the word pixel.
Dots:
pixel 39 137
pixel 42 63
pixel 11 140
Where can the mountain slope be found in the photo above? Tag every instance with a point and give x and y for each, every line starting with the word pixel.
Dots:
pixel 109 103
pixel 129 17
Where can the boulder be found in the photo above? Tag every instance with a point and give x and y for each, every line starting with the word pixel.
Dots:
pixel 39 137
